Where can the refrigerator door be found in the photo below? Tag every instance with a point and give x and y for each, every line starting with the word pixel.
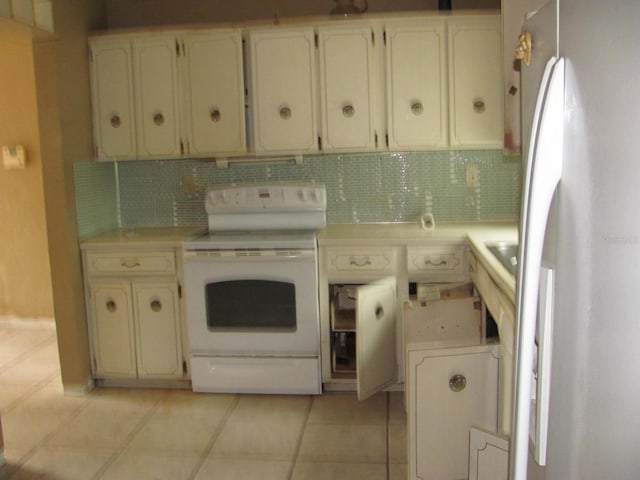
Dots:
pixel 543 172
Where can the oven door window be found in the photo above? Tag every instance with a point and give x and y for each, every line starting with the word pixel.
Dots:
pixel 251 305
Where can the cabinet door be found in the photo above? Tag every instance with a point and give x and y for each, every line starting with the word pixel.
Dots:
pixel 416 84
pixel 112 99
pixel 214 93
pixel 156 93
pixel 488 456
pixel 375 336
pixel 283 91
pixel 159 351
pixel 346 74
pixel 449 393
pixel 112 329
pixel 475 77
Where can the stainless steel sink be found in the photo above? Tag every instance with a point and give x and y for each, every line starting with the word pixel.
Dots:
pixel 507 254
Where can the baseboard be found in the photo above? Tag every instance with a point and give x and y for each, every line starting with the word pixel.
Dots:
pixel 79 390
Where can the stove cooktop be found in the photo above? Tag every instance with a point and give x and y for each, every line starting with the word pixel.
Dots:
pixel 251 239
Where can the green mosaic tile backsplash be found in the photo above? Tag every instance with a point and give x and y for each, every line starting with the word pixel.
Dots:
pixel 96 197
pixel 372 187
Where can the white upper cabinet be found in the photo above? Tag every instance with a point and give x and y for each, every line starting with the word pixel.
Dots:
pixel 213 93
pixel 475 81
pixel 168 95
pixel 416 84
pixel 112 99
pixel 347 77
pixel 156 95
pixel 283 90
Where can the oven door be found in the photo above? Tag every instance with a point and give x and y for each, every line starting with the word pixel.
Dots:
pixel 257 302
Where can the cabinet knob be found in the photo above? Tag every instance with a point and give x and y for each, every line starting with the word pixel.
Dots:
pixel 457 383
pixel 115 121
pixel 417 108
pixel 348 111
pixel 479 105
pixel 285 113
pixel 156 305
pixel 111 306
pixel 215 115
pixel 158 119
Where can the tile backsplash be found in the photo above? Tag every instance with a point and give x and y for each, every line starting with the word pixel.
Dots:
pixel 463 185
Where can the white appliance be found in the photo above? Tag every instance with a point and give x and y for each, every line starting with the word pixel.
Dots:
pixel 251 288
pixel 576 397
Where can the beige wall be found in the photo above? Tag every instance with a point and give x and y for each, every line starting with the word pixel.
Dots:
pixel 62 85
pixel 135 13
pixel 25 277
pixel 64 121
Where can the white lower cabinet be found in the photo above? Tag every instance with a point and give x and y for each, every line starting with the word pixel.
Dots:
pixel 112 327
pixel 452 388
pixel 133 307
pixel 488 455
pixel 135 329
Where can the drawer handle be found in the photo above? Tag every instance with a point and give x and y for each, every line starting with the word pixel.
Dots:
pixel 128 264
pixel 115 121
pixel 428 261
pixel 457 383
pixel 111 306
pixel 363 263
pixel 156 305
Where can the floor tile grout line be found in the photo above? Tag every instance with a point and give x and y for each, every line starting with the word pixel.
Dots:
pixel 36 387
pixel 43 441
pixel 216 434
pixel 24 355
pixel 294 461
pixel 127 440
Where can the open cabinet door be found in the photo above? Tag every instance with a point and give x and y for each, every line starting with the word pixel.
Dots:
pixel 375 336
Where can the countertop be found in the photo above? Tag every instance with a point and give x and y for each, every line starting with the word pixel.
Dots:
pixel 143 237
pixel 352 234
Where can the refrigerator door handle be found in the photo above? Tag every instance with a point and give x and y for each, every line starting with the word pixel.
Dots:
pixel 544 169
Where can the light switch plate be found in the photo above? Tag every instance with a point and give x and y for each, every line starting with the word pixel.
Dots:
pixel 13 156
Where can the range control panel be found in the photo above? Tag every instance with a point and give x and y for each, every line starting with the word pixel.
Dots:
pixel 266 198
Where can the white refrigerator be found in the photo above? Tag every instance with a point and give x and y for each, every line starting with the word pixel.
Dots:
pixel 576 408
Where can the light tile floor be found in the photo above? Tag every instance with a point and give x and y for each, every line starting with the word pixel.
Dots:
pixel 121 434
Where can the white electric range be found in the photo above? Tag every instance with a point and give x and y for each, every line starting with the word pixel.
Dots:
pixel 251 288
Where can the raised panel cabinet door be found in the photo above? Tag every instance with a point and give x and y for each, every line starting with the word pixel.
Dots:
pixel 156 94
pixel 112 329
pixel 159 351
pixel 416 84
pixel 376 315
pixel 449 393
pixel 475 78
pixel 112 99
pixel 346 75
pixel 283 90
pixel 214 93
pixel 488 455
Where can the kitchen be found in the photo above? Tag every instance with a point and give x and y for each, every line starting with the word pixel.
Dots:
pixel 351 213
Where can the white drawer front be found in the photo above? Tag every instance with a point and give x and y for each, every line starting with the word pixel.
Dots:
pixel 437 264
pixel 369 260
pixel 131 262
